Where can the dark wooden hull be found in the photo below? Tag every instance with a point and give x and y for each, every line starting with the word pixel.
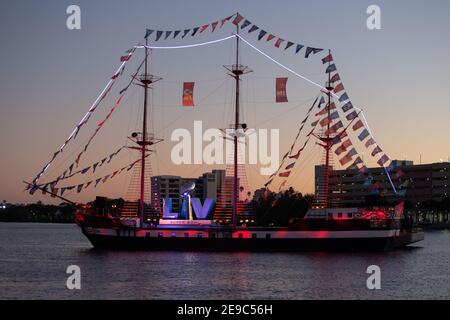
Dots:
pixel 252 245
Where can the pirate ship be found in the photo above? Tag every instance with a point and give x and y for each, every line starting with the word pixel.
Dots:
pixel 118 224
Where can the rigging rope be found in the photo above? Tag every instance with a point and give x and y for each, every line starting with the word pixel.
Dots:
pixel 187 46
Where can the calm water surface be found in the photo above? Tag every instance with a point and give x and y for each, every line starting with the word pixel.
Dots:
pixel 34 258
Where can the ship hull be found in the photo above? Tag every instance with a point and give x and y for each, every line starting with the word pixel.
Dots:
pixel 303 242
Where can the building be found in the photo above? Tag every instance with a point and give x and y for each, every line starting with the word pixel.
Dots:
pixel 413 183
pixel 167 186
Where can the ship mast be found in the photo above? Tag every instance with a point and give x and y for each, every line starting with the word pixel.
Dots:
pixel 236 71
pixel 327 144
pixel 144 139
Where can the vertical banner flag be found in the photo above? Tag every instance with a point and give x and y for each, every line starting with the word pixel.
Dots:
pixel 188 94
pixel 281 95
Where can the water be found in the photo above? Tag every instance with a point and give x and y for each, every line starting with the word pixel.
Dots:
pixel 34 258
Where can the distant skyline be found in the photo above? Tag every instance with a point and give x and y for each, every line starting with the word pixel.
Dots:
pixel 51 75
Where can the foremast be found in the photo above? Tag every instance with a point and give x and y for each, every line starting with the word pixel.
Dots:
pixel 144 139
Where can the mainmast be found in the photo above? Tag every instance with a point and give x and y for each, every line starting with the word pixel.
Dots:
pixel 145 139
pixel 237 70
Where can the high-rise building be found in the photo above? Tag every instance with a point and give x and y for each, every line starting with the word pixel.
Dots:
pixel 414 183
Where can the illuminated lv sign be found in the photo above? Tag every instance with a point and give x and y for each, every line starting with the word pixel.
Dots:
pixel 202 212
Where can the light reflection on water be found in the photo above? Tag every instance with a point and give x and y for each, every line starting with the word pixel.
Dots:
pixel 34 257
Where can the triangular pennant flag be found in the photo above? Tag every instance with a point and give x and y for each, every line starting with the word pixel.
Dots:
pixel 334 128
pixel 284 174
pixel 346 107
pixel 322 101
pixel 71 168
pixel 359 124
pixel 369 142
pixel 85 170
pixel 310 50
pixel 54 193
pixel 376 151
pixel 185 32
pixel 288 45
pixel 358 161
pixel 122 59
pixel 339 88
pixel 270 37
pixel 290 166
pixel 203 28
pixel 298 48
pixel 214 26
pixel 238 19
pixel 88 184
pixel 53 185
pixel 158 35
pixel 364 134
pixel 97 181
pixel 195 31
pixel 94 166
pixel 278 42
pixel 331 68
pixel 383 160
pixel 262 33
pixel 105 178
pixel 225 20
pixel 332 106
pixel 328 58
pixel 314 123
pixel 245 24
pixel 335 77
pixel 148 32
pixel 344 97
pixel 252 29
pixel 80 187
pixel 168 33
pixel 63 189
pixel 352 115
pixel 177 32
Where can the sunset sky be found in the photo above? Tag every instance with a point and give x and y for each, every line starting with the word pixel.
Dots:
pixel 50 76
